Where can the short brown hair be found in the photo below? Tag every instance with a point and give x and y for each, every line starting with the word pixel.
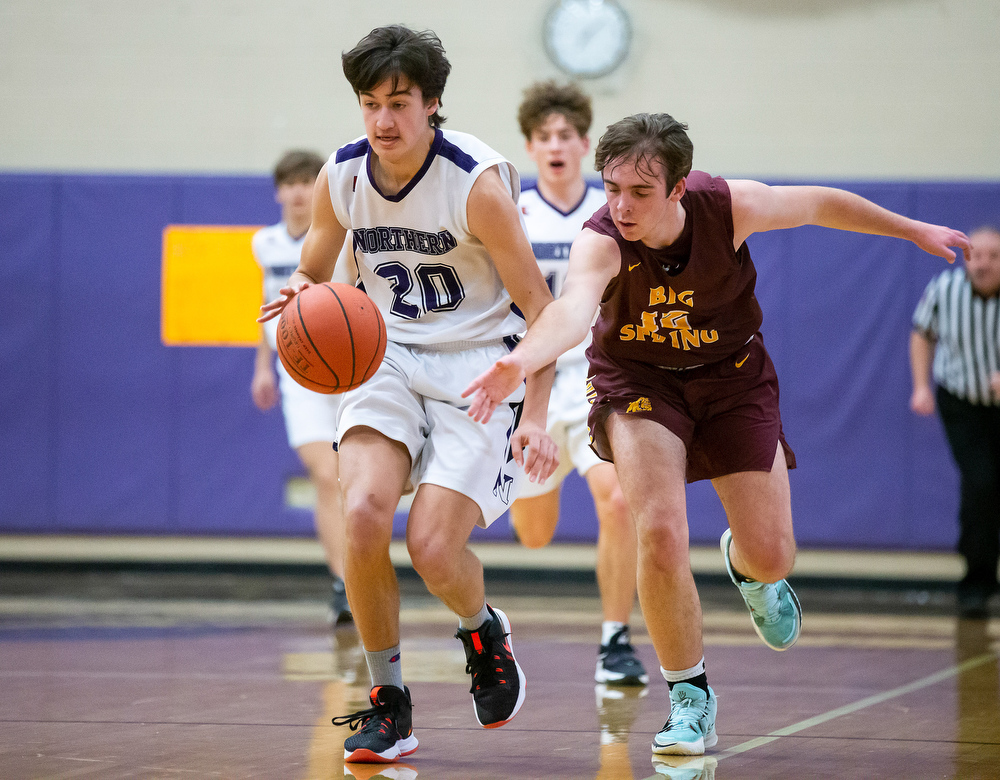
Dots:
pixel 645 139
pixel 297 165
pixel 544 98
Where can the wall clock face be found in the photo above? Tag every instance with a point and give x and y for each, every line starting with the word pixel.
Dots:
pixel 587 38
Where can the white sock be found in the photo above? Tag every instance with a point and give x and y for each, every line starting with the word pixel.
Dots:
pixel 608 629
pixel 684 674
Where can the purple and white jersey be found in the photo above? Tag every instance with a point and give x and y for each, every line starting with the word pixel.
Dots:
pixel 433 281
pixel 551 233
pixel 277 254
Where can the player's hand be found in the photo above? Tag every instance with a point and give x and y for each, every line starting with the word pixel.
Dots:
pixel 273 308
pixel 264 390
pixel 922 401
pixel 995 384
pixel 534 451
pixel 937 240
pixel 490 388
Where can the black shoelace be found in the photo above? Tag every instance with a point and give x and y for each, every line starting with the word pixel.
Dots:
pixel 362 717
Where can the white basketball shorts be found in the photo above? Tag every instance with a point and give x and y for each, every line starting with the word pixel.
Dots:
pixel 567 425
pixel 309 416
pixel 415 398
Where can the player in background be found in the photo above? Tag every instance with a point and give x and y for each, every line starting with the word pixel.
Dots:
pixel 555 120
pixel 441 251
pixel 683 388
pixel 310 417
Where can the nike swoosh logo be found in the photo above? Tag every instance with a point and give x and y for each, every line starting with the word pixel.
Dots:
pixel 740 364
pixel 634 266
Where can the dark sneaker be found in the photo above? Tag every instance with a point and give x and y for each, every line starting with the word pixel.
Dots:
pixel 497 680
pixel 380 771
pixel 385 728
pixel 340 610
pixel 617 708
pixel 617 663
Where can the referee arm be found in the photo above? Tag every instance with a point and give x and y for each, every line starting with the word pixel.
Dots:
pixel 921 356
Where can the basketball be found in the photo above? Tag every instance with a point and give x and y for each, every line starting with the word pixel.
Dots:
pixel 331 337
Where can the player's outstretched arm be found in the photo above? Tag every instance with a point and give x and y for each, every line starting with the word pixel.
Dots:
pixel 758 208
pixel 319 250
pixel 594 261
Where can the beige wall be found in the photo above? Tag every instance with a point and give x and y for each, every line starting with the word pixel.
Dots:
pixel 869 89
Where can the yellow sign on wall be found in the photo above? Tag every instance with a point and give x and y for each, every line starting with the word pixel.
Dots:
pixel 211 286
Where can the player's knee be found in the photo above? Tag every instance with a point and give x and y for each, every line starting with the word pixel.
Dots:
pixel 664 546
pixel 531 535
pixel 431 556
pixel 368 527
pixel 532 539
pixel 772 561
pixel 613 511
pixel 534 521
pixel 326 478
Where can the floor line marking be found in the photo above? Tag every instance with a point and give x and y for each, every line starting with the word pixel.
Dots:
pixel 861 704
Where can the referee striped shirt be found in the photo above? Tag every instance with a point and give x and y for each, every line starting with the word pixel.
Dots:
pixel 966 327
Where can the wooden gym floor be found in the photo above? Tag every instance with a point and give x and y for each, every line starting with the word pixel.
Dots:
pixel 152 669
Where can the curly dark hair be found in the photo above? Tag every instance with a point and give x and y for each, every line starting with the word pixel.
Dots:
pixel 544 98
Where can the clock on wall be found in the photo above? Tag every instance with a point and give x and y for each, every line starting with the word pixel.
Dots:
pixel 587 38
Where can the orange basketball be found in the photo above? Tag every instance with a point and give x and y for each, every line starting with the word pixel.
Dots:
pixel 331 337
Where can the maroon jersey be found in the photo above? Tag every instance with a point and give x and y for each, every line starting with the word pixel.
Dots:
pixel 687 304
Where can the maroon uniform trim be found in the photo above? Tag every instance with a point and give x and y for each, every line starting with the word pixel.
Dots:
pixel 725 413
pixel 676 341
pixel 687 304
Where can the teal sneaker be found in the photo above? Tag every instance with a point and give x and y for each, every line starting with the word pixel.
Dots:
pixel 774 607
pixel 686 767
pixel 691 725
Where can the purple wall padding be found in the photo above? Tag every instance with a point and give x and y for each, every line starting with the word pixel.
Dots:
pixel 105 430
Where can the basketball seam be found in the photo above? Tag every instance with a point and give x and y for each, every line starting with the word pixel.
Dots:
pixel 378 347
pixel 312 343
pixel 350 335
pixel 291 368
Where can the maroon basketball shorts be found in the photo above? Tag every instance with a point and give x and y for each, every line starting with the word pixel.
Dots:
pixel 726 412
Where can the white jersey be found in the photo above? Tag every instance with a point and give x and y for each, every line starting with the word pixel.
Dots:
pixel 277 254
pixel 433 281
pixel 551 233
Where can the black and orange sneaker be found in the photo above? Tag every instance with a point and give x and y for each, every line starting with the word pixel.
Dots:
pixel 385 728
pixel 497 680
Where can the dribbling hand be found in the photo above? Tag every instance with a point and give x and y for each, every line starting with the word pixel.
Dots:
pixel 272 309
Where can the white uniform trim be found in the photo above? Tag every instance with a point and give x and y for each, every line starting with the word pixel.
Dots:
pixel 448 317
pixel 551 233
pixel 431 278
pixel 415 398
pixel 277 254
pixel 309 416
